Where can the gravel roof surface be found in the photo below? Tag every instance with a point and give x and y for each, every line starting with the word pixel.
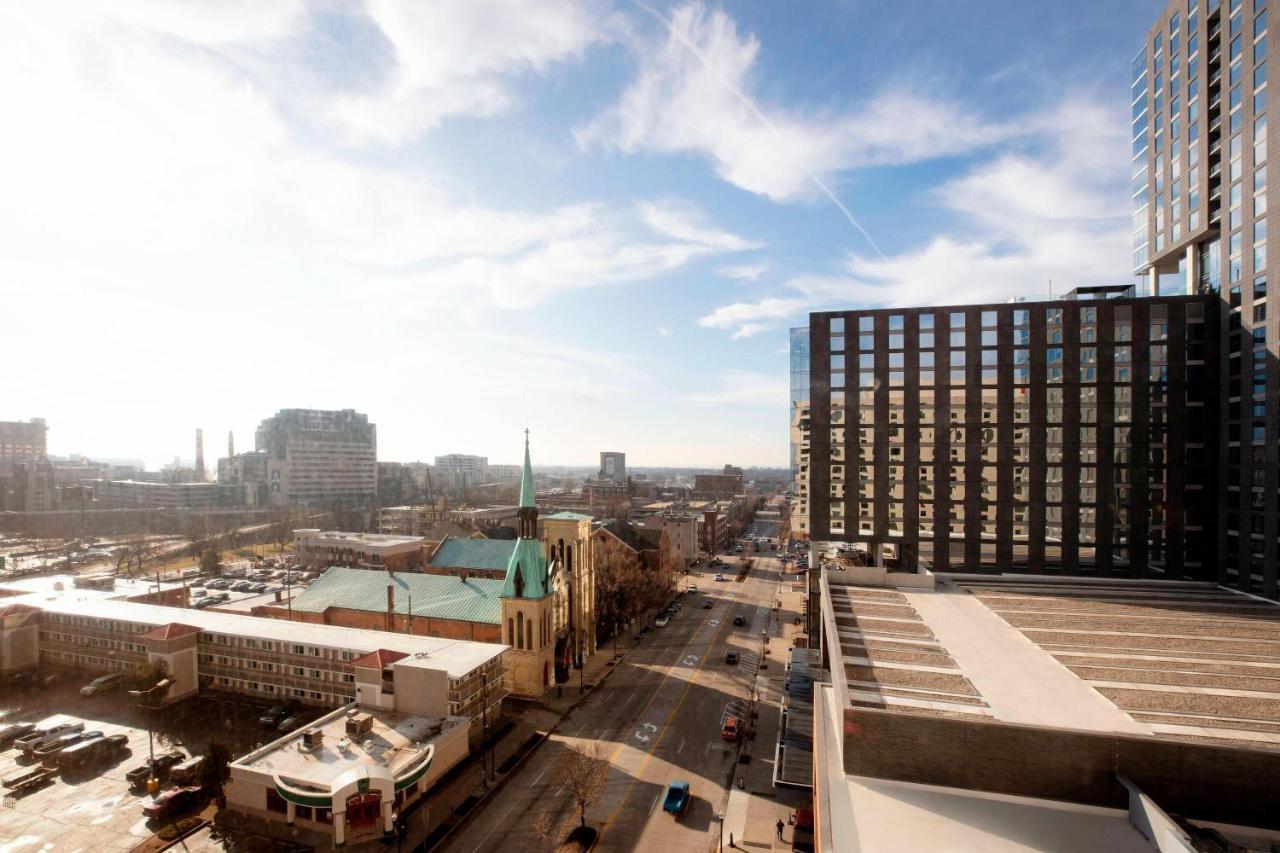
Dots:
pixel 1074 659
pixel 1206 722
pixel 1145 676
pixel 1196 703
pixel 910 678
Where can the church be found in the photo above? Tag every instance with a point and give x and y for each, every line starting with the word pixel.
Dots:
pixel 548 594
pixel 535 593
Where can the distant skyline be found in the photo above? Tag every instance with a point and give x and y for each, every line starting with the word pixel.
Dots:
pixel 464 218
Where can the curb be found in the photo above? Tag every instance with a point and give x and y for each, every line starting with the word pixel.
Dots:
pixel 501 783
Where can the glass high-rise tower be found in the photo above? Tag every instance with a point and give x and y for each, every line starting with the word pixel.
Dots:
pixel 1201 225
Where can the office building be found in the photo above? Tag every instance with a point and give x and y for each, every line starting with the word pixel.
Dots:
pixel 1200 116
pixel 723 485
pixel 460 468
pixel 138 494
pixel 23 441
pixel 319 458
pixel 1072 436
pixel 613 467
pixel 317 549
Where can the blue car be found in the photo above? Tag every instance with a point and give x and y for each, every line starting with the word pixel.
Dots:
pixel 677 798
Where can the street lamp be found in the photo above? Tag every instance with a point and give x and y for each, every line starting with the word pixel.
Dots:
pixel 721 832
pixel 153 784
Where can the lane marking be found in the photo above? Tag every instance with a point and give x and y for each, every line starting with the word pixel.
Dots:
pixel 500 822
pixel 538 779
pixel 680 748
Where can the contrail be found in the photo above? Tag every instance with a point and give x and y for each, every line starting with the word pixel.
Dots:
pixel 750 105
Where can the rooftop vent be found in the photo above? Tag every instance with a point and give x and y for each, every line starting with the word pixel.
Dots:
pixel 312 738
pixel 367 744
pixel 344 744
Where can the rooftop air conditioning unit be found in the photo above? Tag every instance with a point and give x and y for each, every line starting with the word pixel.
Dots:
pixel 361 724
pixel 312 738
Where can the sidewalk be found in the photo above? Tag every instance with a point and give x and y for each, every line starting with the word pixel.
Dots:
pixel 755 806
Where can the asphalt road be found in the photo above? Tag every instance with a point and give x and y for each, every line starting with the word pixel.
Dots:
pixel 656 719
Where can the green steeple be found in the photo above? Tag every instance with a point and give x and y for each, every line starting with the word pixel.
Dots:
pixel 526 478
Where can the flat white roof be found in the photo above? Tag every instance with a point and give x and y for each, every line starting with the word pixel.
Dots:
pixel 395 741
pixel 374 540
pixel 456 657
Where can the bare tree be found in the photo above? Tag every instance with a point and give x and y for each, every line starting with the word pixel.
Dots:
pixel 281 528
pixel 582 773
pixel 615 570
pixel 546 826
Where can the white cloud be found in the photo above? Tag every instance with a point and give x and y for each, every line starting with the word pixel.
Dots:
pixel 693 92
pixel 153 195
pixel 1056 211
pixel 744 272
pixel 744 387
pixel 665 331
pixel 456 57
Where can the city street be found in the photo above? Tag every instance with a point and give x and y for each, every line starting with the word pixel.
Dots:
pixel 656 719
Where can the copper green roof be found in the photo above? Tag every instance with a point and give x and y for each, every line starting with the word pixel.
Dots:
pixel 435 596
pixel 527 564
pixel 526 478
pixel 570 516
pixel 474 554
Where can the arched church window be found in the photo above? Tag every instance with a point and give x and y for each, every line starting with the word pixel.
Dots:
pixel 520 630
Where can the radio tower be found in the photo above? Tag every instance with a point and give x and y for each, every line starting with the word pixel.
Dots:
pixel 199 455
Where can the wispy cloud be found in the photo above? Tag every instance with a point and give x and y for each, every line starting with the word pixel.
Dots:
pixel 665 331
pixel 456 57
pixel 693 92
pixel 1054 211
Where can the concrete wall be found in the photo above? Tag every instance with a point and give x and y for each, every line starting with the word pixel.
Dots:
pixel 1215 783
pixel 18 646
pixel 420 690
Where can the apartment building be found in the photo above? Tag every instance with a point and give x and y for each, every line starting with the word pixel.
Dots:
pixel 1201 224
pixel 1070 436
pixel 23 441
pixel 319 458
pixel 139 494
pixel 233 653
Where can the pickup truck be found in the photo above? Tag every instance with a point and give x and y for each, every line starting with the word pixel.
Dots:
pixel 27 780
pixel 91 751
pixel 48 753
pixel 138 776
pixel 30 743
pixel 677 798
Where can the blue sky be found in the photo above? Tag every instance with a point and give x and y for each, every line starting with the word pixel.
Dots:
pixel 593 219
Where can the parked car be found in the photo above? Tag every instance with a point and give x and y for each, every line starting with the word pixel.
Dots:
pixel 102 684
pixel 30 743
pixel 260 587
pixel 10 732
pixel 186 772
pixel 730 657
pixel 290 723
pixel 738 620
pixel 243 586
pixel 707 604
pixel 219 583
pixel 172 802
pixel 91 751
pixel 719 576
pixel 138 776
pixel 199 593
pixel 677 799
pixel 273 716
pixel 731 729
pixel 662 620
pixel 48 750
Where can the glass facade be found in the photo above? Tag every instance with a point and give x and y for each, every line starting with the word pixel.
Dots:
pixel 1026 437
pixel 799 430
pixel 1201 115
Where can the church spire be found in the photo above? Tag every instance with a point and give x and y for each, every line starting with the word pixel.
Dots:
pixel 528 511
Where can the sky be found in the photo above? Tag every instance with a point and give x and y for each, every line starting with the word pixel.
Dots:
pixel 596 220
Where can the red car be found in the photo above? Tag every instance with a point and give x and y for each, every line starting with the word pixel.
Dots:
pixel 731 729
pixel 171 802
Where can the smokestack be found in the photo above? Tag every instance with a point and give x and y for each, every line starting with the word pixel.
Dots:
pixel 391 607
pixel 231 444
pixel 199 455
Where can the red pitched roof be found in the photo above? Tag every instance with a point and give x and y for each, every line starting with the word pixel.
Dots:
pixel 170 632
pixel 379 658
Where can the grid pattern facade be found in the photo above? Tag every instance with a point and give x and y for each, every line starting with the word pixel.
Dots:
pixel 1200 160
pixel 1074 436
pixel 329 457
pixel 22 441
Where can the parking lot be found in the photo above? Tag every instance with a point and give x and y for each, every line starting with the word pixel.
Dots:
pixel 95 809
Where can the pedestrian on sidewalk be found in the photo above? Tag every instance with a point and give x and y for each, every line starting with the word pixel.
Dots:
pixel 780 825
